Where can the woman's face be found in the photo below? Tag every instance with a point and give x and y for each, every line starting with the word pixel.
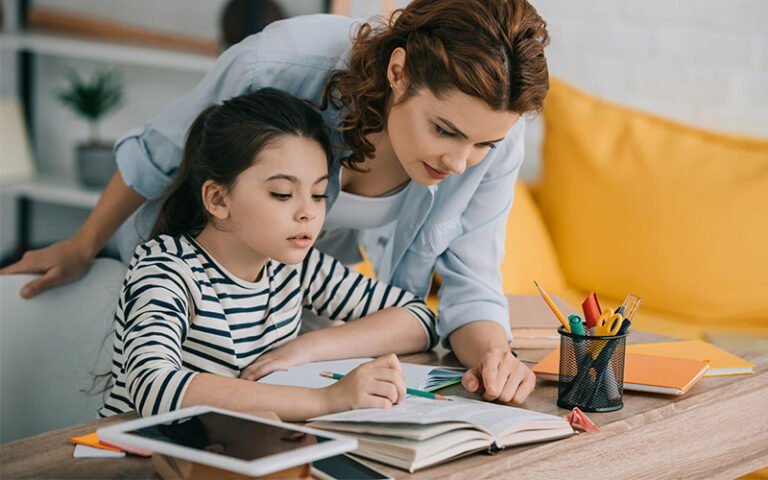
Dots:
pixel 437 137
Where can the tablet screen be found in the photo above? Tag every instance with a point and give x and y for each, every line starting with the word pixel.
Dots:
pixel 230 436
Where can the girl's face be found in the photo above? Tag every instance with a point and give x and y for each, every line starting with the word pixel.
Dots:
pixel 277 205
pixel 437 137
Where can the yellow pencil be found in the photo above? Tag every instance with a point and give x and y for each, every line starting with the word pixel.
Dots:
pixel 554 308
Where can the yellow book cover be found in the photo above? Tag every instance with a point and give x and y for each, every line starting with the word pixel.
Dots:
pixel 720 361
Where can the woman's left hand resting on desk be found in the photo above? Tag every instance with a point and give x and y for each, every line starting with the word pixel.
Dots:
pixel 493 372
pixel 500 376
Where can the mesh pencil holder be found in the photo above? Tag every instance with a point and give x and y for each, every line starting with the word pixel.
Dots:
pixel 591 372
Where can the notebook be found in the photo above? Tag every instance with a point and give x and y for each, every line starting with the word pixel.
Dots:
pixel 720 361
pixel 642 373
pixel 532 322
pixel 420 432
pixel 421 377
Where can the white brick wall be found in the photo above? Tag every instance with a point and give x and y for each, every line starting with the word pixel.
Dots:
pixel 701 62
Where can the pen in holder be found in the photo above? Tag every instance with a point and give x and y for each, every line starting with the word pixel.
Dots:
pixel 591 372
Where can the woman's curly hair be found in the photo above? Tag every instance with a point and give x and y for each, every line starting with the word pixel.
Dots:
pixel 489 49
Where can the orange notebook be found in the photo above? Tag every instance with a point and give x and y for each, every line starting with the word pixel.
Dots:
pixel 720 361
pixel 642 373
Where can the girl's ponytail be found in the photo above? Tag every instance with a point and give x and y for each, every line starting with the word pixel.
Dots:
pixel 183 209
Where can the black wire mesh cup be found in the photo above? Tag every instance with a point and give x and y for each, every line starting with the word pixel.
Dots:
pixel 591 372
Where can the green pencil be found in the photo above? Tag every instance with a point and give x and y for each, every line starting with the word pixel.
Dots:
pixel 410 391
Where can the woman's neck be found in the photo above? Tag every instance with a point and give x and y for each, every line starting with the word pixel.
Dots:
pixel 234 255
pixel 383 174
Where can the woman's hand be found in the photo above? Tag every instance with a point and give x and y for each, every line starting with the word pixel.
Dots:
pixel 379 383
pixel 61 263
pixel 500 376
pixel 281 358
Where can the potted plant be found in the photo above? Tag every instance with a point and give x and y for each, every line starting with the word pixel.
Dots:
pixel 92 100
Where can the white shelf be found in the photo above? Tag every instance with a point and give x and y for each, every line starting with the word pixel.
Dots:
pixel 58 191
pixel 60 45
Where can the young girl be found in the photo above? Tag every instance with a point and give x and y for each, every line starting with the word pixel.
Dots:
pixel 429 106
pixel 231 267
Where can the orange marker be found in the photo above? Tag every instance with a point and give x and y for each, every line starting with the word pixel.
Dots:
pixel 591 309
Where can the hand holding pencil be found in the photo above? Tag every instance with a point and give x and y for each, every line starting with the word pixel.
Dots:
pixel 409 391
pixel 379 383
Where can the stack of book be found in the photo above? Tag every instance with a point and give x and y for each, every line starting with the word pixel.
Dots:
pixel 532 322
pixel 420 433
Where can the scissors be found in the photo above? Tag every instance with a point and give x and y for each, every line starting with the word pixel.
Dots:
pixel 609 323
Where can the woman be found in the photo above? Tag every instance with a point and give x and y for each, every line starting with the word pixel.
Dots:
pixel 431 140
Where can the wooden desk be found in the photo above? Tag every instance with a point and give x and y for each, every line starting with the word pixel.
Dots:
pixel 719 429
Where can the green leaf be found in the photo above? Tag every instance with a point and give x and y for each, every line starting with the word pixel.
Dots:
pixel 92 99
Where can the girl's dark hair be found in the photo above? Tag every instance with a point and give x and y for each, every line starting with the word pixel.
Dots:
pixel 223 141
pixel 489 49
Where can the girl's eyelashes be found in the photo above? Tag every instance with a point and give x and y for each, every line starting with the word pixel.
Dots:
pixel 286 196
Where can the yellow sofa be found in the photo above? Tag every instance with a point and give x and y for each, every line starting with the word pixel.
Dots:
pixel 631 203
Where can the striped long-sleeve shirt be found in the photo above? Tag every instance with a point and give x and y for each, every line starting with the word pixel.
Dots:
pixel 180 313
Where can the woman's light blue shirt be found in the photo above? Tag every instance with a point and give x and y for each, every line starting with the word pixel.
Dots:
pixel 456 228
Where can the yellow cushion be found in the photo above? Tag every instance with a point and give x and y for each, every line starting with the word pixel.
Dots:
pixel 635 203
pixel 529 253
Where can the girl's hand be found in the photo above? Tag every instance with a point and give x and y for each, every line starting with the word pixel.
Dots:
pixel 379 383
pixel 281 358
pixel 62 262
pixel 500 376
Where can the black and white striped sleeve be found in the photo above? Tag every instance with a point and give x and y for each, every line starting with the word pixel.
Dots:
pixel 156 311
pixel 331 289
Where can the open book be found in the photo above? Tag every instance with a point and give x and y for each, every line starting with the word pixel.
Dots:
pixel 421 377
pixel 420 432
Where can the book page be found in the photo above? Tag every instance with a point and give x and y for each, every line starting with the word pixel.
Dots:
pixel 422 377
pixel 488 417
pixel 401 430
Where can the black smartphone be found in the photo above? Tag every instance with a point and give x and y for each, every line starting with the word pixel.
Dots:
pixel 344 467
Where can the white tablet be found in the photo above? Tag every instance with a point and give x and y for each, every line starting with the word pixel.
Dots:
pixel 228 440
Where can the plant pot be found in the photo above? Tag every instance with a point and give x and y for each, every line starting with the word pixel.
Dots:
pixel 95 164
